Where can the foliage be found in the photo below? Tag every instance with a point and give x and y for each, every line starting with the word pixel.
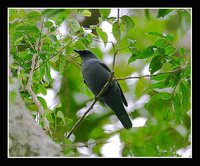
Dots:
pixel 145 40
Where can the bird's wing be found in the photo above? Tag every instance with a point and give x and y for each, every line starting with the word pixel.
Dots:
pixel 122 95
pixel 120 90
pixel 105 66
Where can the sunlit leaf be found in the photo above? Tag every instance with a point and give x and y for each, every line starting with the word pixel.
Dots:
pixel 48 24
pixel 182 51
pixel 116 31
pixel 146 12
pixel 86 13
pixel 103 35
pixel 74 24
pixel 170 37
pixel 162 43
pixel 43 102
pixel 155 64
pixel 164 12
pixel 170 50
pixel 129 24
pixel 104 13
pixel 53 38
pixel 156 34
pixel 61 115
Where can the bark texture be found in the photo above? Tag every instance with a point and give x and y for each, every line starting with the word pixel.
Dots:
pixel 26 138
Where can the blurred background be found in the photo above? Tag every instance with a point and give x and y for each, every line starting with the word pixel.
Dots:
pixel 155 132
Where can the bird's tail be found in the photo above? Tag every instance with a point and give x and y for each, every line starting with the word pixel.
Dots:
pixel 121 113
pixel 124 118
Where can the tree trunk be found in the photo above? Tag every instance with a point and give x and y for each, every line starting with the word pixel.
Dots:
pixel 26 138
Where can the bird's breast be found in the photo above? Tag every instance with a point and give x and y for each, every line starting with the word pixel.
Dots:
pixel 95 75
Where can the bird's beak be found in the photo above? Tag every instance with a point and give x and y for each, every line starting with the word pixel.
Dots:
pixel 77 51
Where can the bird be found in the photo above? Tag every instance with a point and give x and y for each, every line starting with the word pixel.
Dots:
pixel 96 74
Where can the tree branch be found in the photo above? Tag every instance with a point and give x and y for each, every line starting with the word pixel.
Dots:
pixel 30 91
pixel 54 55
pixel 91 106
pixel 139 77
pixel 34 64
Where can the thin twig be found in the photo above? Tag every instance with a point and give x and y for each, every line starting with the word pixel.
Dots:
pixel 34 97
pixel 139 77
pixel 29 83
pixel 110 79
pixel 73 61
pixel 97 40
pixel 91 106
pixel 118 42
pixel 54 55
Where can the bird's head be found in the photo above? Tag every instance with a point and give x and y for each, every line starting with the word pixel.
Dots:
pixel 86 54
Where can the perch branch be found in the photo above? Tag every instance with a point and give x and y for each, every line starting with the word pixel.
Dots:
pixel 110 79
pixel 139 77
pixel 91 106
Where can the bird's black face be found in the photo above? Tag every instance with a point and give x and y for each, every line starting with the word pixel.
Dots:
pixel 85 54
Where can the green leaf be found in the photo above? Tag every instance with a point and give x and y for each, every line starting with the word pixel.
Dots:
pixel 90 38
pixel 41 72
pixel 132 42
pixel 62 63
pixel 167 67
pixel 48 24
pixel 74 25
pixel 48 73
pixel 156 34
pixel 26 29
pixel 134 56
pixel 160 95
pixel 51 12
pixel 146 12
pixel 141 85
pixel 61 115
pixel 162 43
pixel 25 55
pixel 53 38
pixel 43 102
pixel 182 51
pixel 116 31
pixel 129 24
pixel 33 15
pixel 170 37
pixel 103 35
pixel 104 13
pixel 170 78
pixel 86 13
pixel 164 12
pixel 159 85
pixel 185 19
pixel 41 89
pixel 149 51
pixel 170 50
pixel 185 94
pixel 160 77
pixel 52 29
pixel 155 64
pixel 79 45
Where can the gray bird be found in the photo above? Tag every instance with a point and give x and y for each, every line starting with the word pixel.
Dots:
pixel 96 74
